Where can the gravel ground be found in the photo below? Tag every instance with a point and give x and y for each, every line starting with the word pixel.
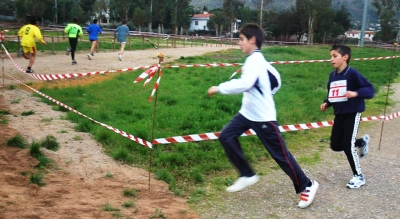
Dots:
pixel 274 197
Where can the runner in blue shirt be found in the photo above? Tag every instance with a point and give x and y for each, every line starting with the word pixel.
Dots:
pixel 93 31
pixel 120 34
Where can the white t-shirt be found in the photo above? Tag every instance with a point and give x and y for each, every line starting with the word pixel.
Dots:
pixel 257 103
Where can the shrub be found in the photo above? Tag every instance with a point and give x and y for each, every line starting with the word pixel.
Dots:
pixel 34 150
pixel 36 178
pixel 17 141
pixel 50 142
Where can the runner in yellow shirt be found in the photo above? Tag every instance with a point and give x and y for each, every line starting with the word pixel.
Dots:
pixel 28 33
pixel 74 31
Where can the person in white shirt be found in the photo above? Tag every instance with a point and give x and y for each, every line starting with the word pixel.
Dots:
pixel 258 83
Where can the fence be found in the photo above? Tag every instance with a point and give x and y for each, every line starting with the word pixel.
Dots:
pixel 54 35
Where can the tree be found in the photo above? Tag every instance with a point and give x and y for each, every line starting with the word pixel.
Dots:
pixel 216 21
pixel 120 9
pixel 26 8
pixel 140 17
pixel 184 10
pixel 342 17
pixel 246 15
pixel 260 4
pixel 387 10
pixel 7 7
pixel 100 9
pixel 230 10
pixel 308 10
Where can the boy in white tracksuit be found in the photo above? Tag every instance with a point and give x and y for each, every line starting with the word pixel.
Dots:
pixel 258 82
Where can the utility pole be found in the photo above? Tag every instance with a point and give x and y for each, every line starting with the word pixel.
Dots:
pixel 55 9
pixel 261 12
pixel 363 24
pixel 151 15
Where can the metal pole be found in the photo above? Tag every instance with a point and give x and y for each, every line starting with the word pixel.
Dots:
pixel 387 93
pixel 2 51
pixel 261 12
pixel 364 23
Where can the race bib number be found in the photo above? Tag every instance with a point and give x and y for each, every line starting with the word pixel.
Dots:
pixel 337 91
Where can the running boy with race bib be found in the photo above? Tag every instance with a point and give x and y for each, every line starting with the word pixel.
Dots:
pixel 347 89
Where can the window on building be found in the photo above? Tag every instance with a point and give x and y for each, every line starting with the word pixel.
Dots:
pixel 196 23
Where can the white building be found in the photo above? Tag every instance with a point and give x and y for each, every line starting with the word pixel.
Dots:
pixel 199 22
pixel 368 35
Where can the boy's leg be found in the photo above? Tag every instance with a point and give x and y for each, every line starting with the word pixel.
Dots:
pixel 33 57
pixel 122 48
pixel 269 134
pixel 229 141
pixel 93 46
pixel 337 133
pixel 349 139
pixel 73 43
pixel 26 52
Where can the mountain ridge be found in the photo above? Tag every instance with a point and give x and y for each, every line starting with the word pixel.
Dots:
pixel 355 7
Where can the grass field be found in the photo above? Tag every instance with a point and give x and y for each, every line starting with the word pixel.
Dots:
pixel 183 107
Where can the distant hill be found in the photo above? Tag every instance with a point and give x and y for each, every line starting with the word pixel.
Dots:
pixel 355 7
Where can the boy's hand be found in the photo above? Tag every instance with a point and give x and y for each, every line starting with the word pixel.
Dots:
pixel 323 107
pixel 44 42
pixel 212 90
pixel 351 94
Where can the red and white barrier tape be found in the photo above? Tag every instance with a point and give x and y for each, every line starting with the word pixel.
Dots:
pixel 127 135
pixel 156 85
pixel 2 35
pixel 150 73
pixel 195 137
pixel 250 132
pixel 47 77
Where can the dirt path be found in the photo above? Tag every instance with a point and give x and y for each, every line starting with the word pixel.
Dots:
pixel 78 186
pixel 273 196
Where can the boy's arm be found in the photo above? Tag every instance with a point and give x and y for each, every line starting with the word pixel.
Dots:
pixel 39 36
pixel 326 101
pixel 366 90
pixel 80 32
pixel 66 30
pixel 21 32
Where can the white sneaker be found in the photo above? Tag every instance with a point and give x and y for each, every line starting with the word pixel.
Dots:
pixel 242 182
pixel 119 57
pixel 356 182
pixel 364 148
pixel 88 55
pixel 307 196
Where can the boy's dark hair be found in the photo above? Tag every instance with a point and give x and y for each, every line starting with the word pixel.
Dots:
pixel 95 21
pixel 75 20
pixel 250 30
pixel 33 20
pixel 343 50
pixel 124 22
